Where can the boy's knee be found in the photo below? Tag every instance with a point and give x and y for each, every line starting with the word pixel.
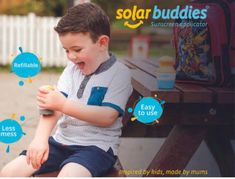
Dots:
pixel 6 172
pixel 74 170
pixel 9 171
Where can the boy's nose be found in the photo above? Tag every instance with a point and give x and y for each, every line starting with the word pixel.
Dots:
pixel 71 56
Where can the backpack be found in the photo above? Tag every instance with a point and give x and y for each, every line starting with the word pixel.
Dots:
pixel 231 5
pixel 202 51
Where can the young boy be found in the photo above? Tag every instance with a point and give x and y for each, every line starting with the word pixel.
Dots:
pixel 90 100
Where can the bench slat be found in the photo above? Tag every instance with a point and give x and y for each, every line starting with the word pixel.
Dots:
pixel 224 95
pixel 142 65
pixel 153 62
pixel 194 93
pixel 126 62
pixel 146 86
pixel 189 93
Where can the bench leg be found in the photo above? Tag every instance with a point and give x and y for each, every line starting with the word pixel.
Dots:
pixel 178 149
pixel 221 148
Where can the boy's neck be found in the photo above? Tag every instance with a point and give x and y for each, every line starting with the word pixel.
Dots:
pixel 104 57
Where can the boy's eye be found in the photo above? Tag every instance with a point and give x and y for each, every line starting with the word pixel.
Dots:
pixel 78 50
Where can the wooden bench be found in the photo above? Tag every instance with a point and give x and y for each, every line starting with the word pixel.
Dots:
pixel 192 113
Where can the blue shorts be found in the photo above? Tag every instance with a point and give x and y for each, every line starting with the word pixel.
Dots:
pixel 96 160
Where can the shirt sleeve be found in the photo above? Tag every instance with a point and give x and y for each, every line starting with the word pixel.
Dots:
pixel 119 91
pixel 65 80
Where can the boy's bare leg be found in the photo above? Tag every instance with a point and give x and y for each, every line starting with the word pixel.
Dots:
pixel 74 170
pixel 17 168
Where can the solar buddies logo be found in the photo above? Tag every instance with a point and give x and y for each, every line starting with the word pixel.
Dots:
pixel 137 15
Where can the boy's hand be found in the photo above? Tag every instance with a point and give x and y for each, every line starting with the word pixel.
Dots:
pixel 52 100
pixel 37 153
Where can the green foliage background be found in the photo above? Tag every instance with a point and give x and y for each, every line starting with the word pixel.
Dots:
pixel 39 7
pixel 59 7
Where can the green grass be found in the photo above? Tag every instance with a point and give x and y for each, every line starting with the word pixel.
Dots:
pixel 53 69
pixel 153 51
pixel 161 51
pixel 5 68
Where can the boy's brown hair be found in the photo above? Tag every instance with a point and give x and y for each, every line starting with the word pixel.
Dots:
pixel 86 17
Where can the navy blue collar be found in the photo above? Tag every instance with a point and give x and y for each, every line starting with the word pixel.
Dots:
pixel 106 65
pixel 103 67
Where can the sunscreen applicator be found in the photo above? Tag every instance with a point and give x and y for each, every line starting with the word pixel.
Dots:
pixel 166 73
pixel 46 112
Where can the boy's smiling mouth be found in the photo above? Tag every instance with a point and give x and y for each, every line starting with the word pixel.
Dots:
pixel 80 65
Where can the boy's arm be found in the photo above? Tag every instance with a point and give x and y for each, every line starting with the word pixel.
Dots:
pixel 105 115
pixel 46 125
pixel 97 115
pixel 38 149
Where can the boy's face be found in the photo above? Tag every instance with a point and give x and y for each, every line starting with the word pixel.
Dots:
pixel 82 51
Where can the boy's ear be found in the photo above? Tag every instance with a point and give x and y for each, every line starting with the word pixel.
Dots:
pixel 104 41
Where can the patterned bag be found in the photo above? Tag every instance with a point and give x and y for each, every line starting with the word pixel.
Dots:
pixel 202 51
